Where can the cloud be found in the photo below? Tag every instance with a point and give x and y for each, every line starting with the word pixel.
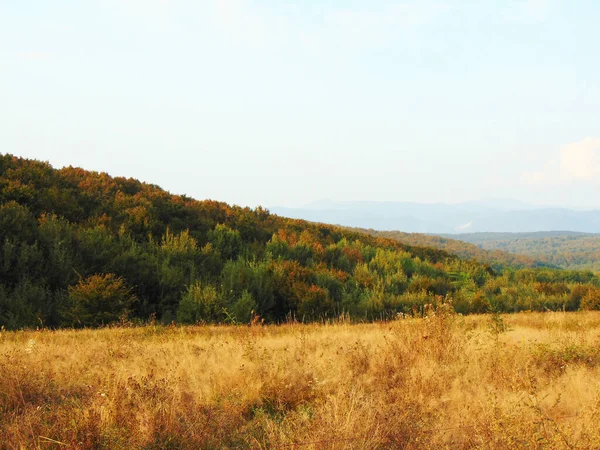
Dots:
pixel 578 161
pixel 466 226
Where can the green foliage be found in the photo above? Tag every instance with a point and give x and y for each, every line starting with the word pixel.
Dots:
pixel 332 284
pixel 256 278
pixel 28 304
pixel 200 304
pixel 497 325
pixel 226 241
pixel 16 222
pixel 244 308
pixel 99 300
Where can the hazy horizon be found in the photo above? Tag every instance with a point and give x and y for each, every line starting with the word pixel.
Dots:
pixel 319 200
pixel 483 200
pixel 280 104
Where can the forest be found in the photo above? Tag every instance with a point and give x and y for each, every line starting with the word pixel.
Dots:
pixel 566 249
pixel 559 249
pixel 496 258
pixel 81 248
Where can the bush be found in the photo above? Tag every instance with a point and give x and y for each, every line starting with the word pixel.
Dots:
pixel 200 304
pixel 591 300
pixel 100 300
pixel 244 308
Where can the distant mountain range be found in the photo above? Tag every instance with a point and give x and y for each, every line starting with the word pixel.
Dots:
pixel 439 218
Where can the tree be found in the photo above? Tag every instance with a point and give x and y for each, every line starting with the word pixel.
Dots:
pixel 226 241
pixel 244 308
pixel 99 300
pixel 591 300
pixel 200 304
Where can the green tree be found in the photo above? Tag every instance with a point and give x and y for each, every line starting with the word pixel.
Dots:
pixel 226 241
pixel 200 303
pixel 244 308
pixel 100 300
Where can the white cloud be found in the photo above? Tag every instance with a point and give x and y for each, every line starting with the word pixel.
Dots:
pixel 578 161
pixel 465 227
pixel 581 160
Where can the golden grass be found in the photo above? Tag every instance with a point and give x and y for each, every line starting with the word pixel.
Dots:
pixel 441 382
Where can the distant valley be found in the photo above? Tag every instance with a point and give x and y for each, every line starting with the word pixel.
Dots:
pixel 497 232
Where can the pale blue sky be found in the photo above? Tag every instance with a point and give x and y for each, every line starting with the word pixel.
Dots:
pixel 286 102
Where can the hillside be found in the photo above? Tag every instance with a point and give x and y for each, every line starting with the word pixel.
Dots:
pixel 497 258
pixel 565 249
pixel 82 248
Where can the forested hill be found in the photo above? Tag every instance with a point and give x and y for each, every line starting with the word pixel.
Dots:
pixel 495 256
pixel 83 248
pixel 565 249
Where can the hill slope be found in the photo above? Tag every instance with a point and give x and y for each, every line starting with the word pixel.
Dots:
pixel 495 257
pixel 84 248
pixel 565 249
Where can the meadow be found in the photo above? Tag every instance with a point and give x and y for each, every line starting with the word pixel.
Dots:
pixel 527 380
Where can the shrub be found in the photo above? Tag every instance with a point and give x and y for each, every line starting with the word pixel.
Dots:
pixel 244 308
pixel 200 304
pixel 591 300
pixel 314 302
pixel 99 300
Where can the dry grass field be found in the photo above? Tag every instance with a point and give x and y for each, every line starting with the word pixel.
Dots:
pixel 445 381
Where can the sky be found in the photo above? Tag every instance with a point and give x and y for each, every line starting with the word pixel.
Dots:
pixel 281 103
